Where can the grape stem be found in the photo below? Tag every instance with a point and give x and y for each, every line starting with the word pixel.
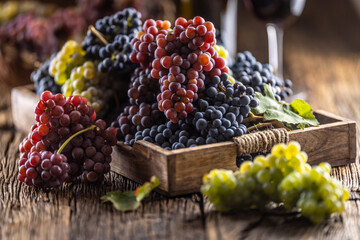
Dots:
pixel 128 20
pixel 98 35
pixel 267 124
pixel 92 127
pixel 252 118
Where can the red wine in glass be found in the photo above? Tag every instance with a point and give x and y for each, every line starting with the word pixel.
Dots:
pixel 277 14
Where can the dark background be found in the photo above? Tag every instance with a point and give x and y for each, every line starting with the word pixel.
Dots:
pixel 322 45
pixel 326 26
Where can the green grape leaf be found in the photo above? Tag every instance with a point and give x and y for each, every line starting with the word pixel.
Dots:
pixel 268 92
pixel 266 102
pixel 126 201
pixel 298 113
pixel 144 190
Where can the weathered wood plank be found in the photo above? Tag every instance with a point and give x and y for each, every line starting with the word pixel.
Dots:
pixel 294 227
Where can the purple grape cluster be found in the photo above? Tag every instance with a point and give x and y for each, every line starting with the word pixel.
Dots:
pixel 68 127
pixel 247 70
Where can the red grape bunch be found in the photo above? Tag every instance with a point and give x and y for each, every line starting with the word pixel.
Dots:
pixel 180 61
pixel 68 127
pixel 144 44
pixel 143 110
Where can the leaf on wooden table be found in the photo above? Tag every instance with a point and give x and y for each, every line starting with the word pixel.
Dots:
pixel 126 201
pixel 144 190
pixel 122 201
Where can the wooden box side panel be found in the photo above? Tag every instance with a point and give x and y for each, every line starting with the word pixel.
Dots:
pixel 189 166
pixel 23 102
pixel 333 143
pixel 140 163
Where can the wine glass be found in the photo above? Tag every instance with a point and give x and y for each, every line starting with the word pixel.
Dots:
pixel 277 14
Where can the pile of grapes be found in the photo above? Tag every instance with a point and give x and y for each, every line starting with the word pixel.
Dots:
pixel 283 176
pixel 180 93
pixel 99 68
pixel 188 82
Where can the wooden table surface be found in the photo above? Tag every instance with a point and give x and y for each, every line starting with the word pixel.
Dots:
pixel 322 57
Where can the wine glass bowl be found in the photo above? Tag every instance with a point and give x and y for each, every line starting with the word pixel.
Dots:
pixel 280 12
pixel 276 14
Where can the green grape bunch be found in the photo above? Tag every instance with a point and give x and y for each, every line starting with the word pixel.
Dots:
pixel 70 56
pixel 283 176
pixel 84 81
pixel 79 76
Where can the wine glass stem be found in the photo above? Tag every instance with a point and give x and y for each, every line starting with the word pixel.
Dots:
pixel 275 41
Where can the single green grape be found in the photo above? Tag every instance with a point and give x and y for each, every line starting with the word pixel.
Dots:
pixel 89 73
pixel 60 78
pixel 86 94
pixel 60 66
pixel 263 175
pixel 78 84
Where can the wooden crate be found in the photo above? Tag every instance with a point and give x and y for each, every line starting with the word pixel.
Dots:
pixel 180 171
pixel 23 103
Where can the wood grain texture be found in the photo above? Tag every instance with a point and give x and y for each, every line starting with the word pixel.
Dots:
pixel 322 56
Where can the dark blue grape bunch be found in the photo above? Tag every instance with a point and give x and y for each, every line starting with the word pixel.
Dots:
pixel 115 55
pixel 219 115
pixel 251 73
pixel 110 41
pixel 43 81
pixel 170 136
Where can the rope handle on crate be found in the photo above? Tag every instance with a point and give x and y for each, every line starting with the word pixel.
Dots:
pixel 261 141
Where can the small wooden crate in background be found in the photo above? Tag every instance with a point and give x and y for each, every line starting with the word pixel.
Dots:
pixel 180 171
pixel 23 103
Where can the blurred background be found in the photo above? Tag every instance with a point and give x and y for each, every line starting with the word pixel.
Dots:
pixel 322 45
